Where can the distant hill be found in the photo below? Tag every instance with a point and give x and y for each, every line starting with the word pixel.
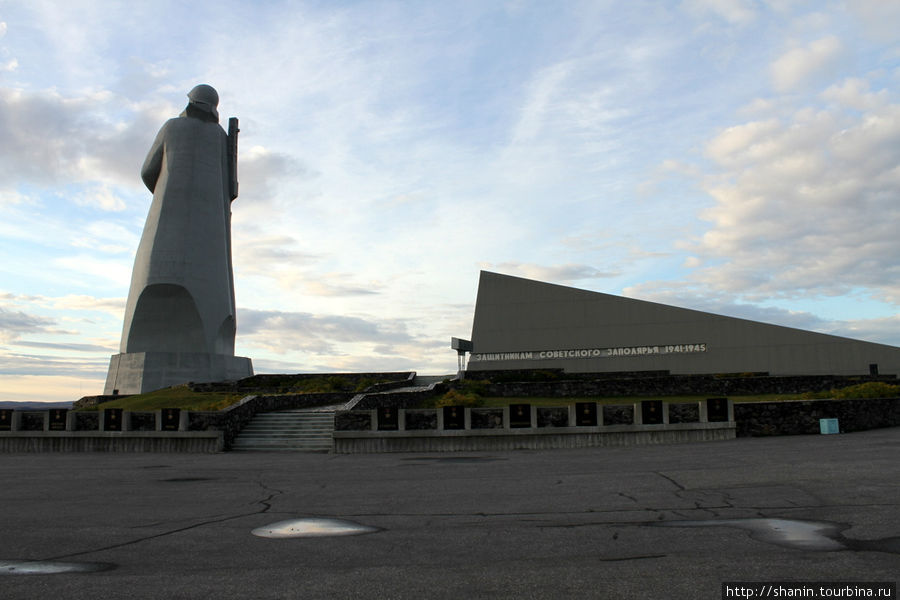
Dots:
pixel 35 405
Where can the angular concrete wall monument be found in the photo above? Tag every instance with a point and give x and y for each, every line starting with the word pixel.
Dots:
pixel 180 315
pixel 525 324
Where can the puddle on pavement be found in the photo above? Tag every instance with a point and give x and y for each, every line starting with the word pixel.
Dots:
pixel 49 567
pixel 312 528
pixel 817 536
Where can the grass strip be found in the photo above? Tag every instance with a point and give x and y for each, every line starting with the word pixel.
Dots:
pixel 179 396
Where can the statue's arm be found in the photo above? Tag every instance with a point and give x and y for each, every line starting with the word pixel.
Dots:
pixel 153 163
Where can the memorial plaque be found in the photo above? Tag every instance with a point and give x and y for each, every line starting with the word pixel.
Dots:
pixel 387 418
pixel 454 417
pixel 112 419
pixel 652 412
pixel 6 416
pixel 171 419
pixel 58 419
pixel 717 410
pixel 519 415
pixel 586 414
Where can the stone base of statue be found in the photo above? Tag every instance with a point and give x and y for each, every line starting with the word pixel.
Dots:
pixel 140 372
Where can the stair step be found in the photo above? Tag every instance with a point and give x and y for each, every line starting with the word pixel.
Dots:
pixel 280 443
pixel 283 428
pixel 295 430
pixel 288 436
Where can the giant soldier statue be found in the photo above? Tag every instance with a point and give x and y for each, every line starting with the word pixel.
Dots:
pixel 180 316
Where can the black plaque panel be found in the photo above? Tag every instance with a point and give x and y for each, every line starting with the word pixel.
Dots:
pixel 171 419
pixel 519 415
pixel 58 419
pixel 454 417
pixel 716 410
pixel 652 412
pixel 6 416
pixel 586 414
pixel 387 418
pixel 112 419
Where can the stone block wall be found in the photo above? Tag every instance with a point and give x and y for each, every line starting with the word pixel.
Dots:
pixel 795 418
pixel 281 383
pixel 675 385
pixel 400 399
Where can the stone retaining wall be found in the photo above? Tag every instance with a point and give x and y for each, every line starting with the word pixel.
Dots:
pixel 400 399
pixel 673 385
pixel 32 431
pixel 98 441
pixel 278 384
pixel 524 441
pixel 523 426
pixel 794 418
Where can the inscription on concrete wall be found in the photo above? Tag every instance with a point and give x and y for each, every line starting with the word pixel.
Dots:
pixel 590 352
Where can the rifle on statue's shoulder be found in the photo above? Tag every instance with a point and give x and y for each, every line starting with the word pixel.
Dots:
pixel 232 157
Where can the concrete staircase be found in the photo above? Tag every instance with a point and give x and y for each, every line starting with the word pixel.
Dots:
pixel 303 430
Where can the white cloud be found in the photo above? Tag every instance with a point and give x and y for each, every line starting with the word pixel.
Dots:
pixel 855 93
pixel 77 266
pixel 807 64
pixel 114 307
pixel 539 101
pixel 879 17
pixel 15 323
pixel 803 206
pixel 106 237
pixel 10 198
pixel 742 142
pixel 101 197
pixel 284 332
pixel 689 295
pixel 736 12
pixel 50 139
pixel 263 172
pixel 553 273
pixel 18 364
pixel 59 346
pixel 340 284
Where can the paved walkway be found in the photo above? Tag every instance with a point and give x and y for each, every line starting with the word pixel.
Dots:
pixel 551 524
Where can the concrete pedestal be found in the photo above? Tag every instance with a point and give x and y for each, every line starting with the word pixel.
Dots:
pixel 140 372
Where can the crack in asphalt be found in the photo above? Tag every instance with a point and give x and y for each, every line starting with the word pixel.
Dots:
pixel 672 481
pixel 536 513
pixel 639 557
pixel 266 506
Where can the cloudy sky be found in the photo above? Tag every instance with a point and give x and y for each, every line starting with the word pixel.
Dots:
pixel 735 156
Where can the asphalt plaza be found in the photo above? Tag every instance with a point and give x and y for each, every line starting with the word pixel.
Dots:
pixel 521 524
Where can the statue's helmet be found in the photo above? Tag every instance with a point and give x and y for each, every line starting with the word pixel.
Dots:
pixel 205 98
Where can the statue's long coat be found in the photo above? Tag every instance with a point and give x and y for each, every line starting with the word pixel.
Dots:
pixel 182 289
